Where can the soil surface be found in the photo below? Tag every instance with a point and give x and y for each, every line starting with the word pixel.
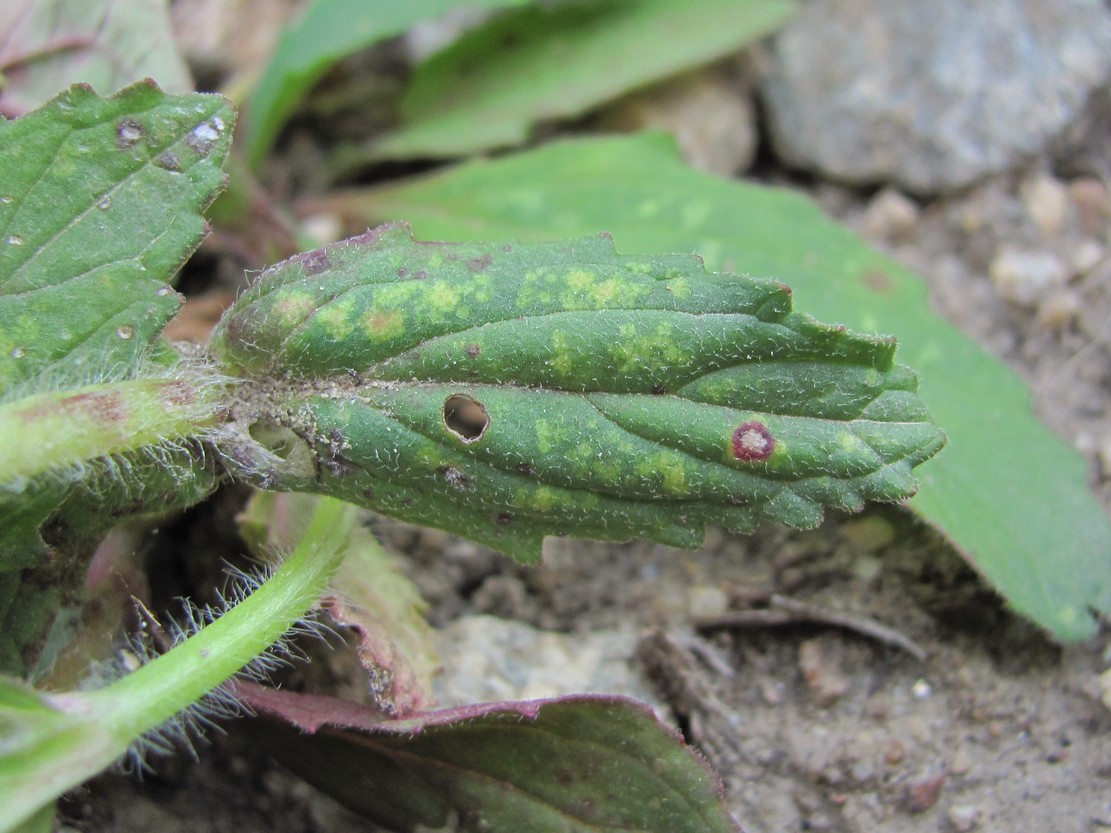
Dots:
pixel 953 715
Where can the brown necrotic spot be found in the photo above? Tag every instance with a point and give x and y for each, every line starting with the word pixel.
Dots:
pixel 473 350
pixel 752 441
pixel 128 133
pixel 168 161
pixel 313 262
pixel 465 417
pixel 454 477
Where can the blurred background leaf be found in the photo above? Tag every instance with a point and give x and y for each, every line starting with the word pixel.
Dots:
pixel 46 45
pixel 1009 494
pixel 545 62
pixel 327 31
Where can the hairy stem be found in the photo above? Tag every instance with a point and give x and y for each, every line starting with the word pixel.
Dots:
pixel 83 732
pixel 66 428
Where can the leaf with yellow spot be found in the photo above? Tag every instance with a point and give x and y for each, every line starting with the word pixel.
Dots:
pixel 579 392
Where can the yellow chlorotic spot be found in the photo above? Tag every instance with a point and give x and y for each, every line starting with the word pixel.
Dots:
pixel 480 289
pixel 548 435
pixel 580 281
pixel 292 309
pixel 381 325
pixel 665 470
pixel 442 297
pixel 562 361
pixel 535 291
pixel 679 288
pixel 585 290
pixel 336 318
pixel 543 499
pixel 655 349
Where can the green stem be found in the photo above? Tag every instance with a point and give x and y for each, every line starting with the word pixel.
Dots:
pixel 160 689
pixel 65 428
pixel 86 731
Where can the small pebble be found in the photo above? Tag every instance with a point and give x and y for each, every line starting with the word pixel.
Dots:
pixel 964 817
pixel 1087 255
pixel 921 690
pixel 961 763
pixel 1059 309
pixel 868 534
pixel 1046 201
pixel 1105 688
pixel 822 670
pixel 894 753
pixel 922 795
pixel 1089 197
pixel 862 772
pixel 1024 277
pixel 710 113
pixel 704 601
pixel 891 215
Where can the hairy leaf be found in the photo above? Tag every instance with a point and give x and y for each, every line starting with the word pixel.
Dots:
pixel 46 45
pixel 508 392
pixel 1009 494
pixel 553 61
pixel 100 203
pixel 577 764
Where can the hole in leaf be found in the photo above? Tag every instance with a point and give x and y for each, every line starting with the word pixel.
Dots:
pixel 465 417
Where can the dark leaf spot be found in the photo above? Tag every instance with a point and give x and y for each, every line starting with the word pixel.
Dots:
pixel 454 478
pixel 478 264
pixel 752 441
pixel 465 417
pixel 473 350
pixel 168 161
pixel 313 262
pixel 128 133
pixel 876 281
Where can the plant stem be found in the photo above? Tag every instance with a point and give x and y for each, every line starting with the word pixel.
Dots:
pixel 66 428
pixel 163 687
pixel 84 732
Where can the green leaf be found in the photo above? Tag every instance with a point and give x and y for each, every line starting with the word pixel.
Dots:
pixel 100 203
pixel 578 764
pixel 327 31
pixel 46 45
pixel 550 61
pixel 509 392
pixel 1009 494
